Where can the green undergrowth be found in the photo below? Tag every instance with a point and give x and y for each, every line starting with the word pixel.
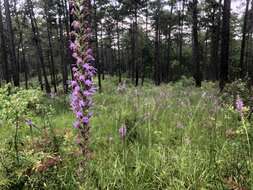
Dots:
pixel 178 137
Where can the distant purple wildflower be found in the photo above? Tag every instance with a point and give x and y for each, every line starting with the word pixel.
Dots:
pixel 29 122
pixel 76 25
pixel 239 104
pixel 123 132
pixel 77 125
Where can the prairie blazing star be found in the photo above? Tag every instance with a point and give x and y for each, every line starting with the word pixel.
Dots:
pixel 76 25
pixel 29 122
pixel 239 104
pixel 123 132
pixel 83 70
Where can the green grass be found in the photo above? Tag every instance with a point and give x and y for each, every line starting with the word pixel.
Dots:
pixel 178 138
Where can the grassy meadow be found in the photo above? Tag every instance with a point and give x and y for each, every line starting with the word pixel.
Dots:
pixel 178 137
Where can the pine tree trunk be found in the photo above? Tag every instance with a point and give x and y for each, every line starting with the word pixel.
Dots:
pixel 23 61
pixel 157 45
pixel 4 55
pixel 102 61
pixel 215 41
pixel 50 47
pixel 168 68
pixel 181 27
pixel 136 62
pixel 119 55
pixel 98 65
pixel 195 46
pixel 62 52
pixel 11 43
pixel 225 44
pixel 243 44
pixel 37 43
pixel 132 62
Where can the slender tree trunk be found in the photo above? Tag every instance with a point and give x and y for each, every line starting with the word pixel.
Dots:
pixel 247 52
pixel 168 73
pixel 37 43
pixel 26 70
pixel 66 15
pixel 14 64
pixel 50 47
pixel 195 46
pixel 135 46
pixel 168 68
pixel 102 63
pixel 243 44
pixel 20 33
pixel 23 61
pixel 67 29
pixel 251 57
pixel 109 53
pixel 225 44
pixel 71 38
pixel 204 56
pixel 98 65
pixel 181 26
pixel 62 52
pixel 157 45
pixel 143 53
pixel 4 56
pixel 119 55
pixel 215 41
pixel 21 46
pixel 133 59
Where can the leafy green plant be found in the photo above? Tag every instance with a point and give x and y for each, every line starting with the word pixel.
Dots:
pixel 237 88
pixel 18 107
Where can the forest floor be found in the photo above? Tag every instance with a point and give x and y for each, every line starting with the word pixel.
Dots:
pixel 178 137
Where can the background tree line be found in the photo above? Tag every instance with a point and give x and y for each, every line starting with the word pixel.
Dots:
pixel 161 40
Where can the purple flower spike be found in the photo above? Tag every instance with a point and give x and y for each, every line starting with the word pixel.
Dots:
pixel 82 78
pixel 74 69
pixel 81 103
pixel 77 125
pixel 123 132
pixel 87 93
pixel 86 66
pixel 90 58
pixel 239 104
pixel 85 120
pixel 89 51
pixel 79 114
pixel 88 82
pixel 73 84
pixel 76 25
pixel 29 123
pixel 83 70
pixel 72 47
pixel 79 61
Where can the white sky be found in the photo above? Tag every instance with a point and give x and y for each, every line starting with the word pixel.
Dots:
pixel 238 6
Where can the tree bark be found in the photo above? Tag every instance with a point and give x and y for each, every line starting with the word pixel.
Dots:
pixel 50 47
pixel 4 56
pixel 11 43
pixel 243 44
pixel 225 44
pixel 215 40
pixel 157 45
pixel 135 36
pixel 97 48
pixel 62 54
pixel 181 27
pixel 119 55
pixel 36 39
pixel 195 46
